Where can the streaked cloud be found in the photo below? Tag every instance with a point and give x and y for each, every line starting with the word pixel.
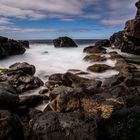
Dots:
pixel 30 16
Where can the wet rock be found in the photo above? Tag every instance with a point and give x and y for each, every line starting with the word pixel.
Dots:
pixel 94 49
pixel 64 42
pixel 10 126
pixel 24 83
pixel 20 76
pixel 32 101
pixel 94 58
pixel 67 126
pixel 18 68
pixel 103 43
pixel 99 68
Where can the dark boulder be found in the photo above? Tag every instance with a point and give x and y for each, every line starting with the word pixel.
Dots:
pixel 19 68
pixel 64 42
pixel 32 101
pixel 21 77
pixel 121 126
pixel 103 43
pixel 94 49
pixel 24 43
pixel 10 47
pixel 25 82
pixel 8 97
pixel 10 126
pixel 64 126
pixel 3 39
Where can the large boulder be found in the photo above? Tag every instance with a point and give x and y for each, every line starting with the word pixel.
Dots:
pixel 24 68
pixel 64 42
pixel 10 47
pixel 21 77
pixel 64 126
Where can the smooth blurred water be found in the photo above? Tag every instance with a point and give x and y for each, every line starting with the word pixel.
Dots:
pixel 49 60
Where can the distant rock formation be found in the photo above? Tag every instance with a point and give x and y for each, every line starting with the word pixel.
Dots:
pixel 12 47
pixel 64 42
pixel 128 40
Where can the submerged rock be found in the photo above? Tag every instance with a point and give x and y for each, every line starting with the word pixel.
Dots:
pixel 99 68
pixel 94 58
pixel 64 42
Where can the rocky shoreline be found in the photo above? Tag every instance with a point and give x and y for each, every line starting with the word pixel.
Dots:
pixel 73 107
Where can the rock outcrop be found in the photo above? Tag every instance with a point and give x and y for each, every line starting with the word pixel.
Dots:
pixel 21 77
pixel 128 40
pixel 64 42
pixel 11 47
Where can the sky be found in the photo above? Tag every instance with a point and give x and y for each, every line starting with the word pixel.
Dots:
pixel 49 19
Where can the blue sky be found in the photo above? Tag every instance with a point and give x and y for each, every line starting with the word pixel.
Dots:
pixel 48 19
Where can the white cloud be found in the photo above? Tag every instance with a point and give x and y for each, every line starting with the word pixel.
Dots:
pixel 4 20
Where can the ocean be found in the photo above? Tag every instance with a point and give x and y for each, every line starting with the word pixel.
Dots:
pixel 49 60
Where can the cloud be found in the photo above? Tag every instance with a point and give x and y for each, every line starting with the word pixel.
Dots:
pixel 4 20
pixel 37 9
pixel 118 12
pixel 69 10
pixel 33 30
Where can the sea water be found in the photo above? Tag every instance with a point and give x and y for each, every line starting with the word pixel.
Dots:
pixel 49 60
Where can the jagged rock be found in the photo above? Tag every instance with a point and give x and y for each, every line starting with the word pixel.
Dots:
pixel 128 40
pixel 64 42
pixel 19 68
pixel 20 77
pixel 99 68
pixel 10 126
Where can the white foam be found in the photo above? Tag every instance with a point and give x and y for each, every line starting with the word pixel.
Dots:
pixel 57 60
